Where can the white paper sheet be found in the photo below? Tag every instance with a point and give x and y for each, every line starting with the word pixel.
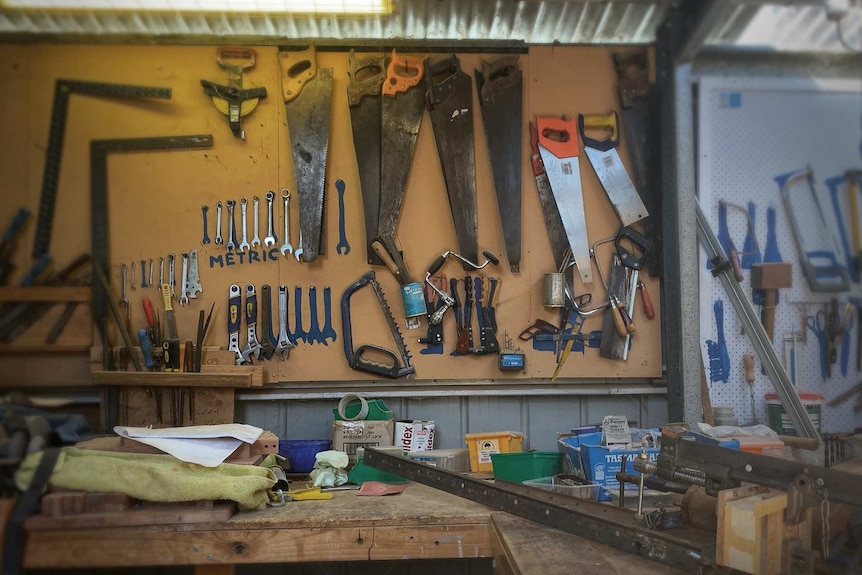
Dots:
pixel 207 445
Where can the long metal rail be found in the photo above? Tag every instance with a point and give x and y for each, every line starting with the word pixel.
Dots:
pixel 762 345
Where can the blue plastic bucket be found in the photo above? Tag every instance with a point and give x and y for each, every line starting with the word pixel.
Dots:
pixel 300 452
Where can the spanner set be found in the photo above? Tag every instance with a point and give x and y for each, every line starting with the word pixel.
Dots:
pixel 190 278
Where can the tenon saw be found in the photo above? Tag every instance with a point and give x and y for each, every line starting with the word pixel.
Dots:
pixel 558 146
pixel 500 85
pixel 450 103
pixel 307 93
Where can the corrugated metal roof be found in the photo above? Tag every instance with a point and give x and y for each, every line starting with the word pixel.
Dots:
pixel 532 22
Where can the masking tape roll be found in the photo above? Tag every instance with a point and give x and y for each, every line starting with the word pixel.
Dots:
pixel 347 400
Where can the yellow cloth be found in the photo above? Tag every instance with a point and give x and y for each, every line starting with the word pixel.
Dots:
pixel 162 478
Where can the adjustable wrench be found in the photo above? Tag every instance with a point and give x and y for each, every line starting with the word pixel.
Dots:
pixel 282 348
pixel 206 238
pixel 270 239
pixel 218 239
pixel 184 298
pixel 243 203
pixel 268 343
pixel 231 226
pixel 255 241
pixel 194 283
pixel 171 280
pixel 234 303
pixel 286 248
pixel 252 346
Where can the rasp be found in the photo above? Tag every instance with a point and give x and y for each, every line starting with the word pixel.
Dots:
pixel 365 76
pixel 307 93
pixel 450 103
pixel 403 106
pixel 558 146
pixel 553 222
pixel 500 87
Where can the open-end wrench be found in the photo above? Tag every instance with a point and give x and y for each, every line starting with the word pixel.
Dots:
pixel 171 275
pixel 243 203
pixel 194 282
pixel 267 340
pixel 298 332
pixel 282 348
pixel 270 239
pixel 252 346
pixel 231 226
pixel 161 272
pixel 143 274
pixel 298 253
pixel 151 266
pixel 255 241
pixel 132 284
pixel 218 239
pixel 206 238
pixel 123 299
pixel 286 248
pixel 343 248
pixel 328 330
pixel 184 297
pixel 234 303
pixel 314 335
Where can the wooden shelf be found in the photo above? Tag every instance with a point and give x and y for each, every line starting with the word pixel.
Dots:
pixel 52 348
pixel 46 294
pixel 174 379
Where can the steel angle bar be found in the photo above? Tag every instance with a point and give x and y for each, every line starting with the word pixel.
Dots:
pixel 774 368
pixel 689 549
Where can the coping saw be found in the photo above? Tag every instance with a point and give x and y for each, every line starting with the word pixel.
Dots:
pixel 558 146
pixel 609 168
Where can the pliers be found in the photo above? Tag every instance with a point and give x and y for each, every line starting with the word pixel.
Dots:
pixel 433 339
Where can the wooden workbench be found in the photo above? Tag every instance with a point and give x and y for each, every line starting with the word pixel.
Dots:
pixel 420 523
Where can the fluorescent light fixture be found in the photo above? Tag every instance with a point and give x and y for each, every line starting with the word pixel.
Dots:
pixel 335 7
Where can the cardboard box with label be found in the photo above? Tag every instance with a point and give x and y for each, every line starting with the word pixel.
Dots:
pixel 347 436
pixel 414 435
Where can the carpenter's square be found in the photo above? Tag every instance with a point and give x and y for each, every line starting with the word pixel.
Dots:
pixel 171 344
pixel 558 146
pixel 609 168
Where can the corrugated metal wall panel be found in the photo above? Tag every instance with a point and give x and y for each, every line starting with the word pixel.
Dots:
pixel 533 22
pixel 540 418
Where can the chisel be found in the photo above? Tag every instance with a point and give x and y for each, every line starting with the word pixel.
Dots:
pixel 171 344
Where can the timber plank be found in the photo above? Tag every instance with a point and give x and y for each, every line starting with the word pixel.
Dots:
pixel 431 542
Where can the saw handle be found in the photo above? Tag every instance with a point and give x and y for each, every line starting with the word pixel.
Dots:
pixel 149 312
pixel 240 58
pixel 375 359
pixel 607 122
pixel 649 311
pixel 558 136
pixel 535 156
pixel 395 81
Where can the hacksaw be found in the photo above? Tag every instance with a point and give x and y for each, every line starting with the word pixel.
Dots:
pixel 558 146
pixel 365 77
pixel 500 86
pixel 307 93
pixel 609 168
pixel 450 103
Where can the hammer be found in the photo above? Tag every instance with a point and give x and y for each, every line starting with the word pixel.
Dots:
pixel 770 277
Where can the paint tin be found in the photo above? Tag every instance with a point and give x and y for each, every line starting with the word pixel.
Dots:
pixel 553 293
pixel 414 300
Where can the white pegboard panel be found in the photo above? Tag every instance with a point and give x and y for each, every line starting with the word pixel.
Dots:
pixel 750 132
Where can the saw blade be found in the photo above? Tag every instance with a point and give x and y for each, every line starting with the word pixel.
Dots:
pixel 558 146
pixel 390 320
pixel 363 95
pixel 617 184
pixel 307 91
pixel 403 106
pixel 500 95
pixel 450 103
pixel 553 223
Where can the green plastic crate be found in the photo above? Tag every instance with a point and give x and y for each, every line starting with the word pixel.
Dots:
pixel 518 467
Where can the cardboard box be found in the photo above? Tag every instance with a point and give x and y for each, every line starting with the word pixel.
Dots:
pixel 348 436
pixel 414 435
pixel 583 455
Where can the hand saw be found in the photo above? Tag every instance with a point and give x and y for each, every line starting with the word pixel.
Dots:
pixel 403 105
pixel 374 358
pixel 500 86
pixel 450 103
pixel 609 168
pixel 307 93
pixel 558 146
pixel 363 95
pixel 553 223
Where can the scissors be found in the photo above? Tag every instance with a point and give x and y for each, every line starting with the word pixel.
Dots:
pixel 829 325
pixel 817 326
